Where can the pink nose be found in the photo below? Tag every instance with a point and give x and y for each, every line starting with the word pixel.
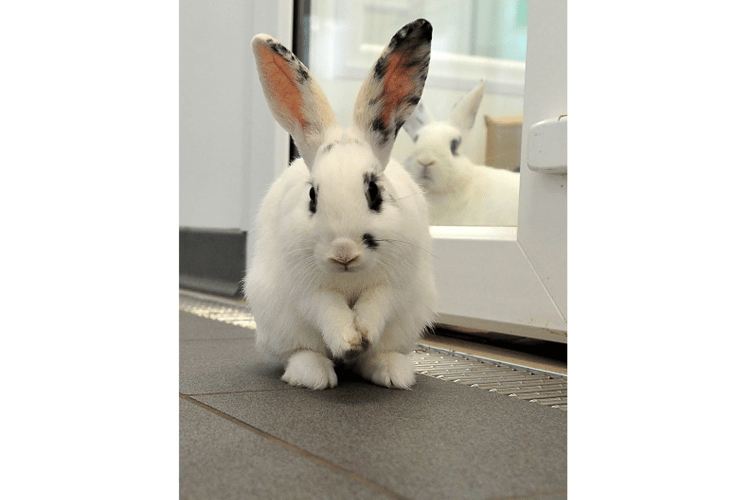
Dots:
pixel 426 159
pixel 344 252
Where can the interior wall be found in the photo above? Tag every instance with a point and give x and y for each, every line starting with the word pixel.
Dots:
pixel 226 131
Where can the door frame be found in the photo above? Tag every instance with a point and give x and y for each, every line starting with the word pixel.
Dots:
pixel 514 280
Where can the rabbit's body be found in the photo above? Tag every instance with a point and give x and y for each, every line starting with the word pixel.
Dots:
pixel 342 264
pixel 465 194
pixel 459 192
pixel 284 309
pixel 475 198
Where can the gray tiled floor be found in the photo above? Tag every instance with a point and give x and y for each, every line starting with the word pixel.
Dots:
pixel 246 434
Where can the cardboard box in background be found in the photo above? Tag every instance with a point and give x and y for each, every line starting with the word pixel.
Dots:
pixel 503 139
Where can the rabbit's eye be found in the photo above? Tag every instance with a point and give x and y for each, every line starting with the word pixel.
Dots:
pixel 312 203
pixel 374 196
pixel 455 144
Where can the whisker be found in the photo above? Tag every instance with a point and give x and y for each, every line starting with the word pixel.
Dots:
pixel 406 243
pixel 403 197
pixel 301 267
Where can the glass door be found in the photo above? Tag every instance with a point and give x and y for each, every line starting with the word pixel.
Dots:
pixel 488 145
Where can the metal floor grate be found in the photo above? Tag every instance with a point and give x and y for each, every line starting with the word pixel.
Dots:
pixel 461 368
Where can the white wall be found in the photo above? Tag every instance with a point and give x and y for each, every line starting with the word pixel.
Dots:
pixel 226 130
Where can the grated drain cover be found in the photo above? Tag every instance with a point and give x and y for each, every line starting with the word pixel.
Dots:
pixel 461 368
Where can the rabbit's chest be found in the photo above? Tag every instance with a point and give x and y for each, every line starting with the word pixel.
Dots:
pixel 351 291
pixel 351 300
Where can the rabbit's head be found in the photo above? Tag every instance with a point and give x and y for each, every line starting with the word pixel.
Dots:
pixel 347 205
pixel 434 160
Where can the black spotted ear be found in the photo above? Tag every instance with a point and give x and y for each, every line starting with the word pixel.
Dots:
pixel 394 87
pixel 295 99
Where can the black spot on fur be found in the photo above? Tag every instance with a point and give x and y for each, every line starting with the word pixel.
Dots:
pixel 378 125
pixel 420 30
pixel 398 126
pixel 279 49
pixel 382 129
pixel 416 61
pixel 379 70
pixel 303 75
pixel 373 191
pixel 312 202
pixel 369 240
pixel 455 144
pixel 328 147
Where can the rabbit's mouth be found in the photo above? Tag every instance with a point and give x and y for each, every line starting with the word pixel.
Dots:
pixel 425 173
pixel 351 266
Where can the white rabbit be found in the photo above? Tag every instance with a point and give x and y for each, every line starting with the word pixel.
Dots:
pixel 459 192
pixel 342 266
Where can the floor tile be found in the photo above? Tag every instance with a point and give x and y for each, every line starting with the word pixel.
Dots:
pixel 218 357
pixel 221 459
pixel 439 440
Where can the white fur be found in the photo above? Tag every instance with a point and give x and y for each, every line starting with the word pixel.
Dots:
pixel 459 192
pixel 317 290
pixel 310 369
pixel 390 369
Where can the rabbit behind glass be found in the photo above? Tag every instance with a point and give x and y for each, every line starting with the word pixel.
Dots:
pixel 459 192
pixel 342 267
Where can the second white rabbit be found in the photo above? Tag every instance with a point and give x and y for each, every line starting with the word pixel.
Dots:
pixel 459 192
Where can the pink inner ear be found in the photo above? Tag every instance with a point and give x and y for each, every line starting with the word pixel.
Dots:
pixel 398 85
pixel 279 79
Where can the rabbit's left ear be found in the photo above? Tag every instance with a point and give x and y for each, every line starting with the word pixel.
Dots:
pixel 393 88
pixel 463 113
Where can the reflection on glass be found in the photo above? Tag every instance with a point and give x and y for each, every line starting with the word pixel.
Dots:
pixel 462 144
pixel 459 192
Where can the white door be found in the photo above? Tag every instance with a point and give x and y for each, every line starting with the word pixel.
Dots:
pixel 514 280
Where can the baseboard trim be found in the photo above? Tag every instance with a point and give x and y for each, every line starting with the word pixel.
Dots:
pixel 212 260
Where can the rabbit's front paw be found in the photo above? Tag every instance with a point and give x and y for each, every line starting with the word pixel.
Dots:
pixel 349 345
pixel 390 369
pixel 367 329
pixel 310 369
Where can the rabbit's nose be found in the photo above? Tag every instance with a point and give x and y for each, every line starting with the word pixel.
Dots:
pixel 344 253
pixel 426 161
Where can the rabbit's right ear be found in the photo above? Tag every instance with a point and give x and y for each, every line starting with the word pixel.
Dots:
pixel 419 119
pixel 295 99
pixel 463 113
